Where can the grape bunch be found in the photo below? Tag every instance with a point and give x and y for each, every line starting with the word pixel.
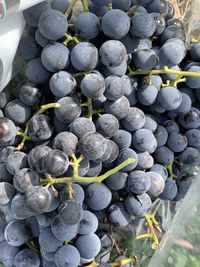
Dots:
pixel 105 121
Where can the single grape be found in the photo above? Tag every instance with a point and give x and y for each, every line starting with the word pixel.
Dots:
pixel 81 126
pixel 63 231
pixel 77 192
pixel 190 157
pixel 170 190
pixel 29 94
pixel 138 206
pixel 47 241
pixel 160 23
pixel 52 24
pixel 17 111
pixel 70 212
pixel 145 59
pixel 88 245
pixel 193 137
pixel 160 169
pixel 40 39
pixel 7 131
pixel 122 138
pixel 171 126
pixel 38 199
pixel 123 4
pixel 66 142
pixel 55 57
pixel 145 161
pixel 134 120
pixel 28 48
pixel 138 182
pixel 125 154
pixel 164 155
pixel 150 123
pixel 130 42
pixel 93 85
pixel 118 216
pixel 142 25
pixel 5 176
pixel 8 253
pixel 157 184
pixel 147 94
pixel 177 142
pixel 16 233
pixel 97 196
pixel 117 180
pixel 94 169
pixel 19 208
pixel 25 179
pixel 60 5
pixel 67 255
pixel 115 23
pixel 169 98
pixel 88 223
pixel 144 140
pixel 107 125
pixel 119 108
pixel 84 56
pixel 193 82
pixel 161 135
pixel 191 119
pixel 69 109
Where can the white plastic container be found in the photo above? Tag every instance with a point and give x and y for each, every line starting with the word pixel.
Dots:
pixel 11 28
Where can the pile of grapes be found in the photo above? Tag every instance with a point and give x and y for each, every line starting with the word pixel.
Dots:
pixel 106 122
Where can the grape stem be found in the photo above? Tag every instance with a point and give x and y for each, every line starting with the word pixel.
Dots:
pixel 82 179
pixel 70 8
pixel 152 233
pixel 85 5
pixel 70 38
pixel 165 70
pixel 170 171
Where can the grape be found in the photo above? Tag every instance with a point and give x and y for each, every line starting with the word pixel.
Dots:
pixel 170 190
pixel 185 105
pixel 160 23
pixel 70 212
pixel 145 59
pixel 16 233
pixel 118 216
pixel 114 88
pixel 33 13
pixel 29 94
pixel 48 242
pixel 7 131
pixel 99 11
pixel 77 191
pixel 63 231
pixel 138 182
pixel 164 155
pixel 17 111
pixel 81 126
pixel 112 53
pixel 122 138
pixel 172 53
pixel 5 176
pixel 159 6
pixel 120 70
pixel 176 22
pixel 7 192
pixel 115 23
pixel 107 125
pixel 69 109
pixel 193 82
pixel 4 98
pixel 84 56
pixel 134 120
pixel 117 180
pixel 97 196
pixel 35 156
pixel 150 123
pixel 38 199
pixel 40 127
pixel 87 25
pixel 123 4
pixel 119 108
pixel 60 5
pixel 66 142
pixel 55 202
pixel 55 57
pixel 144 140
pixel 28 48
pixel 130 42
pixel 5 152
pixel 169 98
pixel 88 245
pixel 195 52
pixel 141 2
pixel 183 186
pixel 147 94
pixel 113 153
pixel 40 39
pixel 19 208
pixel 170 11
pixel 157 184
pixel 92 146
pixel 142 25
pixel 67 255
pixel 101 2
pixel 88 223
pixel 45 219
pixel 145 161
pixel 55 162
pixel 95 169
pixel 160 169
pixel 190 120
pixel 172 31
pixel 52 24
pixel 139 205
pixel 190 157
pixel 124 154
pixel 48 256
pixel 25 179
pixel 36 72
pixel 171 126
pixel 93 85
pixel 193 137
pixel 177 142
pixel 8 253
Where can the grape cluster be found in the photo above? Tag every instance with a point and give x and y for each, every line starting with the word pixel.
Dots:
pixel 106 121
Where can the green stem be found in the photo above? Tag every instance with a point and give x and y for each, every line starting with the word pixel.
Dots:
pixel 170 171
pixel 85 5
pixel 90 109
pixel 143 236
pixel 70 8
pixel 163 71
pixel 124 262
pixel 47 106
